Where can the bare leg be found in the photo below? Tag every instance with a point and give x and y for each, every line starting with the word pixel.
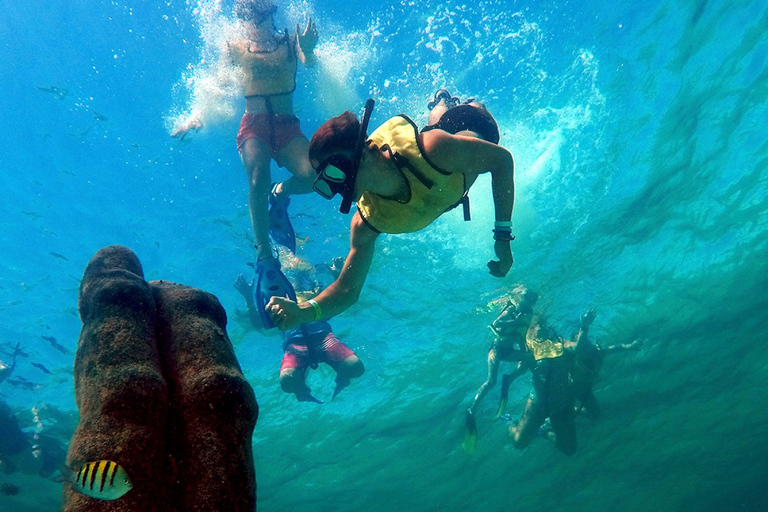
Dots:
pixel 493 371
pixel 444 102
pixel 470 432
pixel 255 156
pixel 294 156
pixel 350 368
pixel 436 113
pixel 526 429
pixel 293 380
pixel 506 381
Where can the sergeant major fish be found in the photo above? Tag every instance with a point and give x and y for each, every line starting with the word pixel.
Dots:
pixel 102 479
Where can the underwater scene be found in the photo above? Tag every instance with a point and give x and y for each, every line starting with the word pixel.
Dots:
pixel 640 213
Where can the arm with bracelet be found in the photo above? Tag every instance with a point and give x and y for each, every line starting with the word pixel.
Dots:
pixel 503 187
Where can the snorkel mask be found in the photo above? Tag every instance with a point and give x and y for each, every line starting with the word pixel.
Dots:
pixel 337 174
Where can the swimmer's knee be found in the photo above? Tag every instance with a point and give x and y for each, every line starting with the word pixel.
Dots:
pixel 291 381
pixel 519 440
pixel 259 178
pixel 352 367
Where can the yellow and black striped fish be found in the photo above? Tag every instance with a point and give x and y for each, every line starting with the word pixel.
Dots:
pixel 103 480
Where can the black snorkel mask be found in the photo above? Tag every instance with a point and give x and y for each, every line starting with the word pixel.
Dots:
pixel 337 174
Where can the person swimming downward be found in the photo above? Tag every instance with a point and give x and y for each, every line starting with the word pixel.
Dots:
pixel 509 345
pixel 307 345
pixel 269 129
pixel 401 180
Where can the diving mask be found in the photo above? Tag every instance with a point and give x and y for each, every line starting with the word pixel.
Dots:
pixel 337 174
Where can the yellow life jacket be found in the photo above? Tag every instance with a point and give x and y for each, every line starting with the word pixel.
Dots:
pixel 269 73
pixel 431 190
pixel 544 349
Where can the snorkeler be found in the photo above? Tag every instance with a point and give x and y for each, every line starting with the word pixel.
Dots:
pixel 308 345
pixel 587 362
pixel 16 451
pixel 402 180
pixel 509 331
pixel 30 453
pixel 552 394
pixel 269 129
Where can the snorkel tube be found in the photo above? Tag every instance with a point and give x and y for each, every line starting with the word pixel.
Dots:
pixel 362 136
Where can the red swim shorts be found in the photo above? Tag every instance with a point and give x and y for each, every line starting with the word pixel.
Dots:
pixel 326 350
pixel 276 130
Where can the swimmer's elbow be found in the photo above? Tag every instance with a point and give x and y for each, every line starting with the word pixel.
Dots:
pixel 351 296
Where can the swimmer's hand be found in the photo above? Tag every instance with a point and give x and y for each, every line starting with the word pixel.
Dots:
pixel 501 267
pixel 287 314
pixel 244 287
pixel 194 123
pixel 635 345
pixel 587 318
pixel 308 38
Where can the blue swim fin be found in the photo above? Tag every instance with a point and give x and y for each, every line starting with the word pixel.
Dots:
pixel 280 228
pixel 270 282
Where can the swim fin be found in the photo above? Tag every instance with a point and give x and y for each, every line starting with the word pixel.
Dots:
pixel 270 282
pixel 341 383
pixel 280 228
pixel 470 434
pixel 443 94
pixel 506 380
pixel 306 396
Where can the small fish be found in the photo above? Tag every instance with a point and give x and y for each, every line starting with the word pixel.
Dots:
pixel 60 93
pixel 99 117
pixel 9 489
pixel 56 345
pixel 102 479
pixel 60 256
pixel 42 368
pixel 21 382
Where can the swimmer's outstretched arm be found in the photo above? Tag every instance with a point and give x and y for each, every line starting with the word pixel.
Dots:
pixel 215 88
pixel 580 340
pixel 342 293
pixel 621 347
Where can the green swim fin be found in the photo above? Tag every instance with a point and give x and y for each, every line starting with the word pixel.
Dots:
pixel 470 434
pixel 506 380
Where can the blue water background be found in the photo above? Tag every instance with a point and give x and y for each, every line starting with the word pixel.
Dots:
pixel 638 131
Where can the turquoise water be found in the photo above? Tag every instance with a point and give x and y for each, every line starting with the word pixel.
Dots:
pixel 639 137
